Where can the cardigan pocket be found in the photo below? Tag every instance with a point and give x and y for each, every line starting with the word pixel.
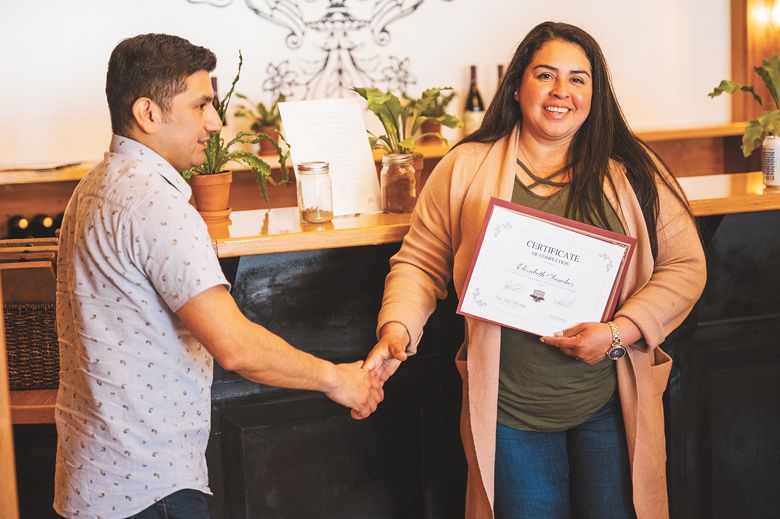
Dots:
pixel 662 366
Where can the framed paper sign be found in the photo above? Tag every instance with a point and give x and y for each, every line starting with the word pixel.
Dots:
pixel 540 273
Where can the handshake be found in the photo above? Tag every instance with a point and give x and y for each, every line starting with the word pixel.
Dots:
pixel 358 385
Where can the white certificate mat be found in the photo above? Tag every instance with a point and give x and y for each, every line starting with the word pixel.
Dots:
pixel 333 130
pixel 540 273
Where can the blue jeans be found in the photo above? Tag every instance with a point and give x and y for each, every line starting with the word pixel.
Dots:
pixel 582 473
pixel 182 504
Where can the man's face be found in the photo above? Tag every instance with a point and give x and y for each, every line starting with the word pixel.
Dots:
pixel 185 127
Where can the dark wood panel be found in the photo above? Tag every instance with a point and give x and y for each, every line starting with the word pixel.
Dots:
pixel 30 199
pixel 738 390
pixel 742 280
pixel 705 156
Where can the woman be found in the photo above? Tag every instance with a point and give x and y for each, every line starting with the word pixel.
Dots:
pixel 551 426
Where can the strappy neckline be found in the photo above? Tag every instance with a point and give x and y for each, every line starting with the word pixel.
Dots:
pixel 547 181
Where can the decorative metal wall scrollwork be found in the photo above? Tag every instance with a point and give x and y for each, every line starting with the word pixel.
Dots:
pixel 339 33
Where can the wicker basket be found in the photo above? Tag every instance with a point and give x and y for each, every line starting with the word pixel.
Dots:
pixel 31 337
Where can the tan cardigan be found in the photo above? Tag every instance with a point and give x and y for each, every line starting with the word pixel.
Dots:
pixel 656 296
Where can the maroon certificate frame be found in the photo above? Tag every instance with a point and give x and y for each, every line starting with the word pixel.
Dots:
pixel 508 295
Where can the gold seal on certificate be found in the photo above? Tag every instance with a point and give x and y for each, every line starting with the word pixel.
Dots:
pixel 539 273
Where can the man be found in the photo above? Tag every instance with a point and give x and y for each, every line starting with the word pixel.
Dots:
pixel 142 305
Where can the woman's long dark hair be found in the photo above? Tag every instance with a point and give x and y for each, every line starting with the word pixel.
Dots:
pixel 603 135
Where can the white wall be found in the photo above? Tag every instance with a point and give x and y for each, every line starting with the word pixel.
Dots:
pixel 665 55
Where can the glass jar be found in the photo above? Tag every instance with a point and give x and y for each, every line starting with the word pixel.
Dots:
pixel 315 193
pixel 397 183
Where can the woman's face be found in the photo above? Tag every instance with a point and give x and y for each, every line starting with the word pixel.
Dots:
pixel 555 91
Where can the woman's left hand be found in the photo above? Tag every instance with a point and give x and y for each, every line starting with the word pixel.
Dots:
pixel 586 342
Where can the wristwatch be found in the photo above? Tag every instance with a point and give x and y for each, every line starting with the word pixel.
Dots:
pixel 616 349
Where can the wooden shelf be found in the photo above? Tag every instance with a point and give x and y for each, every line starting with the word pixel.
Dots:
pixel 75 172
pixel 67 174
pixel 726 130
pixel 33 407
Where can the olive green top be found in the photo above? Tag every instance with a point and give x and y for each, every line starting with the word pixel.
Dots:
pixel 540 388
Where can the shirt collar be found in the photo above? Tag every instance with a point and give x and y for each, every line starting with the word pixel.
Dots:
pixel 139 152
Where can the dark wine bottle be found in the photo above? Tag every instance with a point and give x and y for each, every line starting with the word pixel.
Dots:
pixel 42 226
pixel 475 108
pixel 18 227
pixel 500 73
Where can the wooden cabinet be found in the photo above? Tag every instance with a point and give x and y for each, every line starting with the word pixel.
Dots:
pixel 723 411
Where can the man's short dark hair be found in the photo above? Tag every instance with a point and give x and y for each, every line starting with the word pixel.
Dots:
pixel 154 66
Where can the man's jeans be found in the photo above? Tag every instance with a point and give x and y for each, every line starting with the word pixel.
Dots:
pixel 582 473
pixel 183 504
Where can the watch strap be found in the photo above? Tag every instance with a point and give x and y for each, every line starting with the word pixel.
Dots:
pixel 616 348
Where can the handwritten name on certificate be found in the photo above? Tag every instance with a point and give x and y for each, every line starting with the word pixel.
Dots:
pixel 540 273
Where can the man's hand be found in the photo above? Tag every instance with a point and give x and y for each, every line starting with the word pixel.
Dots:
pixel 586 342
pixel 357 389
pixel 389 352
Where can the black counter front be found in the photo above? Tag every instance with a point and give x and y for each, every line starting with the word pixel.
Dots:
pixel 295 454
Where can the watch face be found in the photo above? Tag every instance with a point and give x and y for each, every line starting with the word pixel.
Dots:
pixel 616 353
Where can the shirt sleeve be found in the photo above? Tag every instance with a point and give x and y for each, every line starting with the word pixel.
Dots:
pixel 171 245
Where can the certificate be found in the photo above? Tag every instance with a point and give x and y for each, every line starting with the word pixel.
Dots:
pixel 540 273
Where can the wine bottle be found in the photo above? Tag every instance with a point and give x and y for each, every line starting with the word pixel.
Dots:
pixel 500 73
pixel 475 108
pixel 42 226
pixel 18 227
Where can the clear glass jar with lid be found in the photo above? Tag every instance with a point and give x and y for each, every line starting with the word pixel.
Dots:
pixel 315 192
pixel 397 183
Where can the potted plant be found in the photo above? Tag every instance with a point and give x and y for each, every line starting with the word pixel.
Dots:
pixel 402 123
pixel 433 106
pixel 264 119
pixel 211 180
pixel 766 125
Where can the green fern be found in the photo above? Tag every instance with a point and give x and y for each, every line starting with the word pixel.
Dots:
pixel 768 123
pixel 402 121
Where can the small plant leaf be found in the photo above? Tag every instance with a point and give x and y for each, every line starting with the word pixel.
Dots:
pixel 752 138
pixel 770 73
pixel 730 87
pixel 768 123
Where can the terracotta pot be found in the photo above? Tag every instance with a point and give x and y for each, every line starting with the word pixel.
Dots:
pixel 266 148
pixel 212 193
pixel 430 126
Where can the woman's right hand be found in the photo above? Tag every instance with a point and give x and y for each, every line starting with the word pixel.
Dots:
pixel 389 352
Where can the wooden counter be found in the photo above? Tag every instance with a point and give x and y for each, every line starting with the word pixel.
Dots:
pixel 280 229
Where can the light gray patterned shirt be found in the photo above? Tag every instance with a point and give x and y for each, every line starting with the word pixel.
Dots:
pixel 134 398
